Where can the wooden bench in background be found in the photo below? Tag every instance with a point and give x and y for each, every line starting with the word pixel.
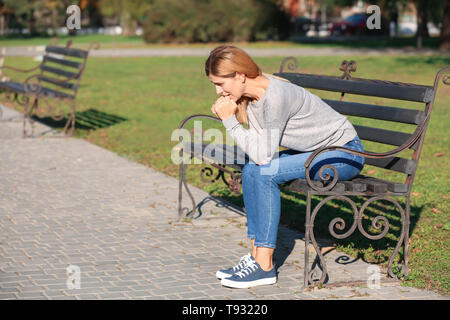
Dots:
pixel 368 187
pixel 52 87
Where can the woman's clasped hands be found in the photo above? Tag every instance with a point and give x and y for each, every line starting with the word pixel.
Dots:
pixel 224 107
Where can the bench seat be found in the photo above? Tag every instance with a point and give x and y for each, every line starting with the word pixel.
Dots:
pixel 47 92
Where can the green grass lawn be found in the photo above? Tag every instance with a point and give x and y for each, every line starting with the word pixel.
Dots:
pixel 140 102
pixel 120 41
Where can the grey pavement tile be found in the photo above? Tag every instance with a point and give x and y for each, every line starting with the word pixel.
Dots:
pixel 116 220
pixel 7 296
pixel 112 296
pixel 87 297
pixel 32 295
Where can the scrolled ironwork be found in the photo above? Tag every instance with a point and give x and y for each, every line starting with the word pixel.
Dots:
pixel 347 67
pixel 207 172
pixel 55 113
pixel 324 177
pixel 291 62
pixel 235 182
pixel 21 99
pixel 379 223
pixel 446 80
pixel 338 223
pixel 376 221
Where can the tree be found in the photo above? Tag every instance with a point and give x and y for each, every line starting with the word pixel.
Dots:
pixel 445 28
pixel 436 11
pixel 39 13
pixel 428 10
pixel 129 12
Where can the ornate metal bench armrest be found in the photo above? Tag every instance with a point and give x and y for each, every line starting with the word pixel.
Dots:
pixel 20 70
pixel 410 142
pixel 185 120
pixel 33 88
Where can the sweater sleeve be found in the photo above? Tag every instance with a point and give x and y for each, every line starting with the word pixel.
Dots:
pixel 260 146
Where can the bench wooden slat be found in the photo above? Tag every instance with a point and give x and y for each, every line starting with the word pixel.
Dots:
pixel 397 164
pixel 67 51
pixel 393 138
pixel 220 154
pixel 368 87
pixel 20 88
pixel 66 85
pixel 377 112
pixel 63 62
pixel 372 185
pixel 59 72
pixel 380 185
pixel 302 185
pixel 354 186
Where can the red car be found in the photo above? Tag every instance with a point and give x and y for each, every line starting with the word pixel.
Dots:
pixel 356 25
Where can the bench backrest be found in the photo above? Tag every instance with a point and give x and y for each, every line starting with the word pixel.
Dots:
pixel 417 119
pixel 63 67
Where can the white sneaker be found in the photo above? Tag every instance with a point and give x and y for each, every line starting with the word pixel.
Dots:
pixel 251 276
pixel 243 263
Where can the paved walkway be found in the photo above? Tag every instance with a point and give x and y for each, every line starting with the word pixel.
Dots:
pixel 67 203
pixel 204 52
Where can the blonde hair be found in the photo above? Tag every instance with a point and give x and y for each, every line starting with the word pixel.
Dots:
pixel 226 61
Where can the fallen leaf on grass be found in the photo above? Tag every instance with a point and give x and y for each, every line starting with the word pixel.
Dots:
pixel 438 154
pixel 415 194
pixel 436 210
pixel 371 171
pixel 438 226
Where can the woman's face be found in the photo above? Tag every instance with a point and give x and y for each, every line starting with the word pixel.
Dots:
pixel 232 87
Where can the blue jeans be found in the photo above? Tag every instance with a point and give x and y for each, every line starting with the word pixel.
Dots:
pixel 260 185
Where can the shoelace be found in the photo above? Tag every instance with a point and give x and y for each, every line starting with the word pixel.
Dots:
pixel 251 266
pixel 243 262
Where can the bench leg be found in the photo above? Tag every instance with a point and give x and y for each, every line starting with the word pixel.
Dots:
pixel 309 236
pixel 27 112
pixel 403 241
pixel 406 245
pixel 357 223
pixel 71 121
pixel 184 212
pixel 307 230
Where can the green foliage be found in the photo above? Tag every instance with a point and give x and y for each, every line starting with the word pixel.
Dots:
pixel 214 20
pixel 129 12
pixel 36 15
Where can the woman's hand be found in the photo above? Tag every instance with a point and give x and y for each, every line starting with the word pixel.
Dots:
pixel 224 107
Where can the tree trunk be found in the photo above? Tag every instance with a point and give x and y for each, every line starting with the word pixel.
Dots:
pixel 422 21
pixel 129 25
pixel 2 24
pixel 445 29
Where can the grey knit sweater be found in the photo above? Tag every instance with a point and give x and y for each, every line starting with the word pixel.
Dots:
pixel 288 116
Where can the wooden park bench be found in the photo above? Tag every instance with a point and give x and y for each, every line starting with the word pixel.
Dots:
pixel 366 186
pixel 52 86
